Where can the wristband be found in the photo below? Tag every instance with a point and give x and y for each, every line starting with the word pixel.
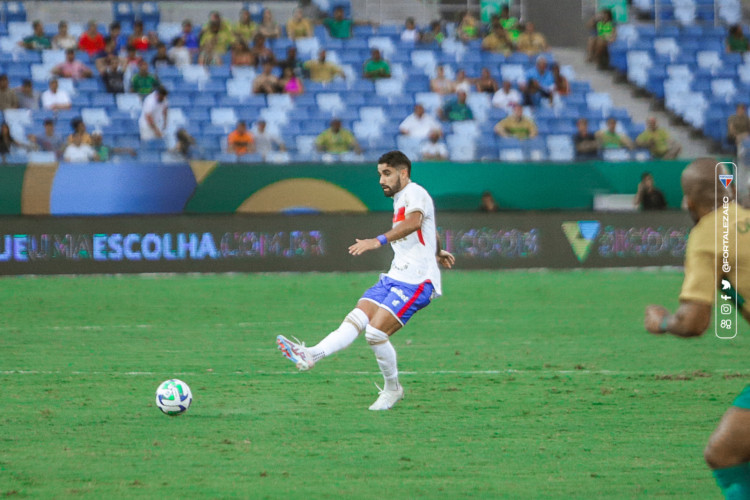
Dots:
pixel 382 239
pixel 664 323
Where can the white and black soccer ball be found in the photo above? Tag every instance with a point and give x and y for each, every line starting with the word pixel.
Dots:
pixel 173 397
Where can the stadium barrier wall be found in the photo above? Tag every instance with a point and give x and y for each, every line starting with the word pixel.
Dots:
pixel 223 243
pixel 204 187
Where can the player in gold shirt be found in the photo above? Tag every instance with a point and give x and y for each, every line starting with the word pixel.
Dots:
pixel 709 203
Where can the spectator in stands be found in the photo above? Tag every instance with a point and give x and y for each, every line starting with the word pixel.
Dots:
pixel 79 152
pixel 542 74
pixel 336 140
pixel 488 203
pixel 183 146
pixel 105 152
pixel 139 39
pixel 179 53
pixel 266 82
pixel 246 28
pixel 434 149
pixel 261 52
pixel 586 144
pixel 266 140
pixel 215 41
pixel 50 140
pixel 498 41
pixel 510 23
pixel 468 28
pixel 72 68
pixel 507 97
pixel 485 83
pixel 241 141
pixel 268 27
pixel 299 26
pixel 739 125
pixel 37 40
pixel 531 42
pixel 609 138
pixel 463 82
pixel 101 59
pixel 143 82
pixel 28 98
pixel 132 59
pixel 533 94
pixel 311 11
pixel 153 120
pixel 562 86
pixel 605 33
pixel 113 76
pixel 648 196
pixel 419 124
pixel 442 85
pixel 63 40
pixel 516 125
pixel 410 33
pixel 118 37
pixel 434 34
pixel 658 141
pixel 338 26
pixel 161 58
pixel 241 54
pixel 53 99
pixel 91 40
pixel 376 67
pixel 8 97
pixel 321 70
pixel 736 40
pixel 456 110
pixel 290 83
pixel 78 127
pixel 7 143
pixel 291 62
pixel 191 41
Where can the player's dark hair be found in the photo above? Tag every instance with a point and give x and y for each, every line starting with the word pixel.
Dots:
pixel 396 159
pixel 645 174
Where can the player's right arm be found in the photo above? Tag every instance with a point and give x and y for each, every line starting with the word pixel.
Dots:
pixel 690 320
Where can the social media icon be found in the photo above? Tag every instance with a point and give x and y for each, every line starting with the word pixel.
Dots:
pixel 725 284
pixel 726 309
pixel 725 297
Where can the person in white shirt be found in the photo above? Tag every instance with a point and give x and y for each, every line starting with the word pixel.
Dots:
pixel 153 120
pixel 179 53
pixel 78 152
pixel 463 82
pixel 434 149
pixel 410 284
pixel 419 124
pixel 507 97
pixel 410 33
pixel 265 140
pixel 54 98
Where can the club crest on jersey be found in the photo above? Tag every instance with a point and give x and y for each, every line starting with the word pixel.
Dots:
pixel 726 179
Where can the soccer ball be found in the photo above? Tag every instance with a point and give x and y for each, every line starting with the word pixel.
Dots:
pixel 173 397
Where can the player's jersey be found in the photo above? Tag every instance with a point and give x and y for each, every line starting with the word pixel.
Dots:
pixel 414 256
pixel 704 256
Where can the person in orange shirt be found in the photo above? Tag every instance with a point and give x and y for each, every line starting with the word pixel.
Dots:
pixel 240 140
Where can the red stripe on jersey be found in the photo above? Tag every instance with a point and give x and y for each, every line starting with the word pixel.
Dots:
pixel 401 215
pixel 419 235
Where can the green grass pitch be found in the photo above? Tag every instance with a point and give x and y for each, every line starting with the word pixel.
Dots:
pixel 518 385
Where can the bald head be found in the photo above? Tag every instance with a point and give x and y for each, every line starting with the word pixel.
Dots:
pixel 699 186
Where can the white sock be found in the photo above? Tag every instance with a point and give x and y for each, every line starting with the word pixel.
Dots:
pixel 385 354
pixel 343 336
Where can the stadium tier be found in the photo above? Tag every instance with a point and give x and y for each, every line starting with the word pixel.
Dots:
pixel 208 100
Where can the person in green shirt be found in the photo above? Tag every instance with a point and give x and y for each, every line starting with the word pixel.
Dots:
pixel 245 28
pixel 336 140
pixel 510 24
pixel 604 33
pixel 338 26
pixel 516 125
pixel 38 40
pixel 376 67
pixel 143 82
pixel 736 41
pixel 609 138
pixel 456 110
pixel 658 141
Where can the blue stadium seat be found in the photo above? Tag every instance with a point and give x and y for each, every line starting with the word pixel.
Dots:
pixel 14 11
pixel 123 12
pixel 148 12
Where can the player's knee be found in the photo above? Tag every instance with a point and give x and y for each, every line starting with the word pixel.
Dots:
pixel 358 318
pixel 375 336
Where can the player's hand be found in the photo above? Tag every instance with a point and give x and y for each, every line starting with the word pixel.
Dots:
pixel 446 259
pixel 654 316
pixel 362 246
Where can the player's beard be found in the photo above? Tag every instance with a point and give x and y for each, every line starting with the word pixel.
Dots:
pixel 389 191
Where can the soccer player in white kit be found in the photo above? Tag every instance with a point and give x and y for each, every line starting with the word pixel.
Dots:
pixel 411 283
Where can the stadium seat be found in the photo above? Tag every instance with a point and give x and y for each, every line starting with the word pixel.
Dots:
pixel 330 102
pixel 14 12
pixel 560 148
pixel 223 117
pixel 460 148
pixel 42 157
pixel 616 154
pixel 388 87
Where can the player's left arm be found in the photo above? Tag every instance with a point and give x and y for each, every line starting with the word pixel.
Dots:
pixel 411 223
pixel 444 257
pixel 690 320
